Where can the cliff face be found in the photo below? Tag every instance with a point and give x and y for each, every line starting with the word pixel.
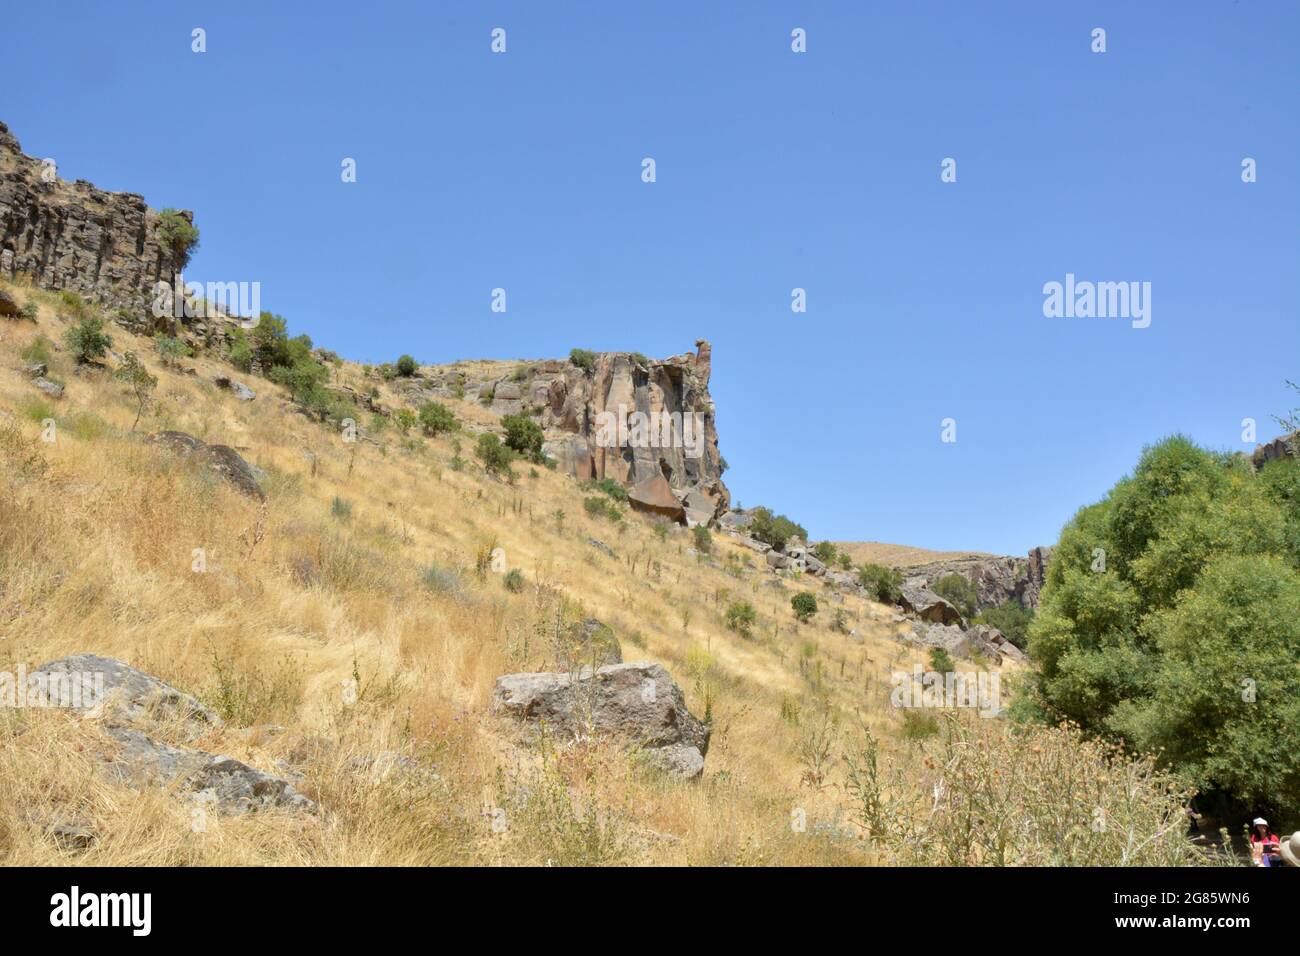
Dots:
pixel 73 236
pixel 997 579
pixel 626 417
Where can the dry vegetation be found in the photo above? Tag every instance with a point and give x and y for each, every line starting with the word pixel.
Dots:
pixel 366 563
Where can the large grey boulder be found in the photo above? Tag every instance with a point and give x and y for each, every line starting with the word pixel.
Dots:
pixel 128 694
pixel 637 702
pixel 927 605
pixel 222 460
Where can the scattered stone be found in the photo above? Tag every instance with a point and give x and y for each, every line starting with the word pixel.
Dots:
pixel 602 547
pixel 35 370
pixel 637 702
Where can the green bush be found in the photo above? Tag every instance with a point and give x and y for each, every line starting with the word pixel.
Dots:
pixel 941 661
pixel 607 486
pixel 774 530
pixel 882 583
pixel 40 349
pixel 406 366
pixel 514 581
pixel 87 340
pixel 805 606
pixel 740 617
pixel 959 592
pixel 436 419
pixel 241 352
pixel 1170 620
pixel 597 507
pixel 825 552
pixel 524 436
pixel 495 456
pixel 1011 619
pixel 582 358
pixel 178 234
pixel 703 540
pixel 170 349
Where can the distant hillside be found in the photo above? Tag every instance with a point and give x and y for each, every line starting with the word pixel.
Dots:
pixel 900 555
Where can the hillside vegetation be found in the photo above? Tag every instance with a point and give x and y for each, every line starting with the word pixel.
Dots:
pixel 370 566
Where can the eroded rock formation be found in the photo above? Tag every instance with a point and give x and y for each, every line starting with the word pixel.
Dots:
pixel 64 235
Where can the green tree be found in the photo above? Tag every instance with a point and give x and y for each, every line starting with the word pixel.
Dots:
pixel 703 540
pixel 1011 619
pixel 524 436
pixel 1163 598
pixel 170 349
pixel 584 359
pixel 495 456
pixel 178 234
pixel 882 583
pixel 436 419
pixel 87 340
pixel 773 529
pixel 133 372
pixel 805 606
pixel 406 366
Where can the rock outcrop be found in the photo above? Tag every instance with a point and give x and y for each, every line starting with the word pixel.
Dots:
pixel 73 236
pixel 1284 446
pixel 996 579
pixel 636 702
pixel 621 416
pixel 221 460
pixel 134 707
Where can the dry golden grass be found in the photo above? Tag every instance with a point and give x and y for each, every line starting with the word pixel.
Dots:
pixel 898 555
pixel 98 539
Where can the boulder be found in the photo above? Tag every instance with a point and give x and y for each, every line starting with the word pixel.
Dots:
pixel 240 390
pixel 129 694
pixel 654 495
pixel 602 547
pixel 927 605
pixel 9 306
pixel 35 370
pixel 638 703
pixel 222 460
pixel 52 389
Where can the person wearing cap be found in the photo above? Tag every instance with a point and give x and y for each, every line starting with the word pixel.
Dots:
pixel 1264 845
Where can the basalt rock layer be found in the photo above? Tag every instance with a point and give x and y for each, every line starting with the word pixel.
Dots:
pixel 70 235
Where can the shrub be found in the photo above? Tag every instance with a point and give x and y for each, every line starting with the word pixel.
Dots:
pixel 404 419
pixel 514 580
pixel 582 358
pixel 341 508
pixel 1011 619
pixel 241 353
pixel 170 349
pixel 40 349
pixel 740 617
pixel 87 340
pixel 597 507
pixel 29 310
pixel 703 540
pixel 607 486
pixel 441 580
pixel 177 233
pixel 959 592
pixel 436 419
pixel 141 382
pixel 941 661
pixel 495 456
pixel 774 530
pixel 825 552
pixel 406 366
pixel 524 436
pixel 882 583
pixel 805 606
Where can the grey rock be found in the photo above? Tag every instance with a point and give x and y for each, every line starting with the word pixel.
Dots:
pixel 35 370
pixel 927 605
pixel 602 547
pixel 240 390
pixel 637 702
pixel 220 459
pixel 52 389
pixel 129 694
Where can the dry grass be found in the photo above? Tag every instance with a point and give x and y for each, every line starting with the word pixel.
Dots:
pixel 898 555
pixel 98 539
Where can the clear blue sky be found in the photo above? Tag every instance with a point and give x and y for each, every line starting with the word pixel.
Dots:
pixel 775 170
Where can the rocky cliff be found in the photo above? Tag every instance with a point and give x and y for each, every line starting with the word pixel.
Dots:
pixel 996 579
pixel 63 235
pixel 646 423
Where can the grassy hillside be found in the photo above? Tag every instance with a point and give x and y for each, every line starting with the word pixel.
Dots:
pixel 367 562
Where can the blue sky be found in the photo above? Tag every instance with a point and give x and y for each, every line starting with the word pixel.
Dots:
pixel 775 170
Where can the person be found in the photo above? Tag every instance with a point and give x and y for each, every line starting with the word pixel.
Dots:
pixel 1264 844
pixel 1291 850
